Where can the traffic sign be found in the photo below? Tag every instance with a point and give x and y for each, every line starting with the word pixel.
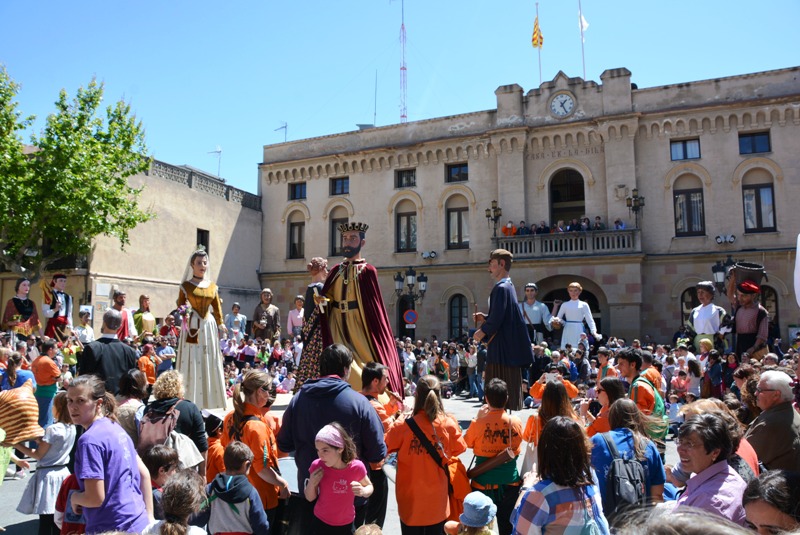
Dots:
pixel 410 316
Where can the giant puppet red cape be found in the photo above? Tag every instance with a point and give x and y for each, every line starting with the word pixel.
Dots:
pixel 380 330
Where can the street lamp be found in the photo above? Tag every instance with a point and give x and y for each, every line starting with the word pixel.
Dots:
pixel 493 215
pixel 719 270
pixel 410 281
pixel 635 203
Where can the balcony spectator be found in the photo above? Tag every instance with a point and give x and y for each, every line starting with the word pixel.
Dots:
pixel 619 224
pixel 543 228
pixel 586 225
pixel 522 229
pixel 509 229
pixel 559 227
pixel 574 225
pixel 598 224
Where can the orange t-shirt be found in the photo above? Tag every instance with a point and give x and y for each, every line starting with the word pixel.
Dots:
pixel 274 422
pixel 608 371
pixel 653 375
pixel 538 389
pixel 642 394
pixel 215 463
pixel 148 368
pixel 600 424
pixel 258 436
pixel 421 486
pixel 533 429
pixel 45 371
pixel 488 435
pixel 749 455
pixel 385 412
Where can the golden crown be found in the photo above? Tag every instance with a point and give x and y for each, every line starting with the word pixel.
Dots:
pixel 353 226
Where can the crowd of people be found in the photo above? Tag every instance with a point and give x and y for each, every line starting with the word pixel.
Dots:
pixel 131 444
pixel 582 224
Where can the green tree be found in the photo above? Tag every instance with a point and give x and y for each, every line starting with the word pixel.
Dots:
pixel 70 185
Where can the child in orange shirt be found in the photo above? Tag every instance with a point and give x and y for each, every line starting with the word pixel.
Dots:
pixel 147 364
pixel 215 463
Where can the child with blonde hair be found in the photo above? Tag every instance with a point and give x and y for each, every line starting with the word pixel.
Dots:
pixel 478 517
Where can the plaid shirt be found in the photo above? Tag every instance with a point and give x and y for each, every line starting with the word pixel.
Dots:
pixel 556 509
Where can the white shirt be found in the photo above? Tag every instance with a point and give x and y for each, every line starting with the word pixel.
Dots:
pixel 536 313
pixel 705 319
pixel 85 333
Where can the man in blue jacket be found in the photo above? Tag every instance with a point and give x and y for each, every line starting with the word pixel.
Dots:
pixel 509 346
pixel 318 403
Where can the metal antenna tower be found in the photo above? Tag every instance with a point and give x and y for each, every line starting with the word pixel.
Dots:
pixel 218 152
pixel 285 129
pixel 403 69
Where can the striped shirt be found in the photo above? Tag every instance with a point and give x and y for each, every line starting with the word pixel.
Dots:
pixel 747 318
pixel 553 508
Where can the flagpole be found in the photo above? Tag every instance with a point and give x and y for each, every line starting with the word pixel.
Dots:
pixel 540 48
pixel 580 24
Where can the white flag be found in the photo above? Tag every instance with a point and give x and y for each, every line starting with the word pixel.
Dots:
pixel 582 24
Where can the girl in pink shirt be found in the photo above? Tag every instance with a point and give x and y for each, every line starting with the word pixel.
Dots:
pixel 336 478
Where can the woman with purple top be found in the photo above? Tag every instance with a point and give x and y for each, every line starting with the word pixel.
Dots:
pixel 110 474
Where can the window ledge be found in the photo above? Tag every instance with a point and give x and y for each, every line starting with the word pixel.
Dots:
pixel 682 237
pixel 760 232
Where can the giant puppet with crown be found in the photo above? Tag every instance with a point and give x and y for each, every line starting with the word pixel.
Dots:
pixel 352 313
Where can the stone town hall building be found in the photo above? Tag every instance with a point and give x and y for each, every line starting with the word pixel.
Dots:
pixel 712 158
pixel 717 162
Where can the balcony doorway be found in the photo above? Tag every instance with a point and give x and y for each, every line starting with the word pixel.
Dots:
pixel 567 197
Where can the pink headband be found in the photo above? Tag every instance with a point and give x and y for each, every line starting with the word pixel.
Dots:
pixel 330 435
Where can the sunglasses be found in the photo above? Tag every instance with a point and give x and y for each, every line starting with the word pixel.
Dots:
pixel 266 388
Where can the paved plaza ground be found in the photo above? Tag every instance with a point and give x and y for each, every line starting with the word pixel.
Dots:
pixel 18 524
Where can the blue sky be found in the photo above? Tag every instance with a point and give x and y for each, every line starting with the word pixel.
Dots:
pixel 203 74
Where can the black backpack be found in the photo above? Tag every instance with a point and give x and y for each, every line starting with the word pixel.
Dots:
pixel 625 483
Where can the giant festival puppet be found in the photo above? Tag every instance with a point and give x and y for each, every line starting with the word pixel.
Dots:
pixel 352 312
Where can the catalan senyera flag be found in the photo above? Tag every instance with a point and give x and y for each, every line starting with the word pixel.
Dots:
pixel 538 39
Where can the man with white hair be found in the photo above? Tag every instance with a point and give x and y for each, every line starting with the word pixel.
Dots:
pixel 770 359
pixel 775 434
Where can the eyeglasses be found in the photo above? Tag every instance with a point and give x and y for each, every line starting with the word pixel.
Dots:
pixel 265 388
pixel 598 390
pixel 759 390
pixel 687 444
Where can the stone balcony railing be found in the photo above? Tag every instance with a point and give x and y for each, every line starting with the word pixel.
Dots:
pixel 592 243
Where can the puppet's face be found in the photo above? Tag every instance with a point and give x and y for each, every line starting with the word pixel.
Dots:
pixel 351 244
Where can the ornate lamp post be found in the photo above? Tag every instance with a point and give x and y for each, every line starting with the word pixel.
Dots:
pixel 493 215
pixel 635 203
pixel 719 270
pixel 411 281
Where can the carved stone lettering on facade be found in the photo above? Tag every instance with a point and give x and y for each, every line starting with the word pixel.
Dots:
pixel 566 153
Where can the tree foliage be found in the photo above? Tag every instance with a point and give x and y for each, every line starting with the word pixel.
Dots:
pixel 71 184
